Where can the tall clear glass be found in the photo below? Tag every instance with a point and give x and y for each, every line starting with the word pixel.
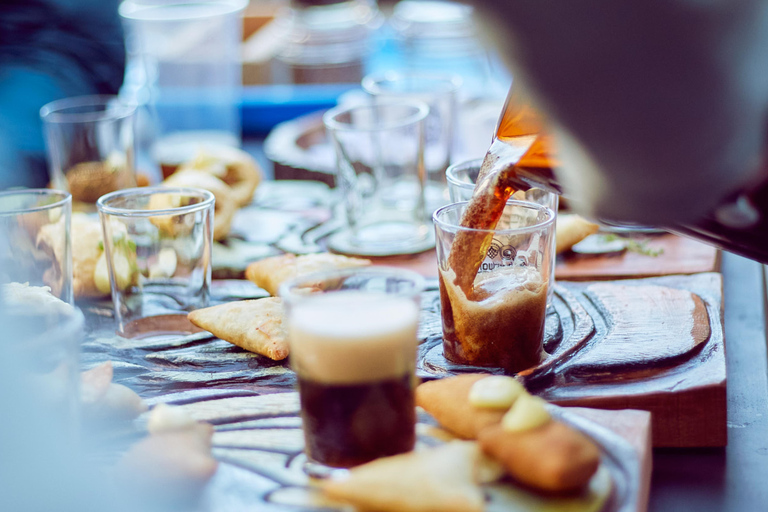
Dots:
pixel 184 69
pixel 35 244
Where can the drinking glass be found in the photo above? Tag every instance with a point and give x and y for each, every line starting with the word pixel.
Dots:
pixel 41 338
pixel 157 242
pixel 462 177
pixel 381 176
pixel 353 341
pixel 494 315
pixel 35 245
pixel 90 142
pixel 439 92
pixel 184 69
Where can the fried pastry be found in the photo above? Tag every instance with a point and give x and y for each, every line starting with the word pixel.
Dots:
pixel 104 400
pixel 541 453
pixel 552 458
pixel 447 400
pixel 224 208
pixel 442 479
pixel 233 166
pixel 572 229
pixel 270 273
pixel 170 464
pixel 255 325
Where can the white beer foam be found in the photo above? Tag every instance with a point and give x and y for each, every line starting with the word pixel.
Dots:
pixel 350 337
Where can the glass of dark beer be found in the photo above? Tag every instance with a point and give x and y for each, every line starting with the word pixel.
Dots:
pixel 353 340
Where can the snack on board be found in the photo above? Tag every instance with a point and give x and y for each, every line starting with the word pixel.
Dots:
pixel 167 418
pixel 256 325
pixel 34 298
pixel 572 229
pixel 90 276
pixel 105 400
pixel 441 479
pixel 233 166
pixel 170 464
pixel 88 181
pixel 537 451
pixel 552 458
pixel 270 273
pixel 224 208
pixel 447 400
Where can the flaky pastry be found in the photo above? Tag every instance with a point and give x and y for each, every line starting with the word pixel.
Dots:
pixel 256 325
pixel 270 273
pixel 233 166
pixel 224 208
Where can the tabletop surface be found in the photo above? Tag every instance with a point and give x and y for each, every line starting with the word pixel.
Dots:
pixel 716 479
pixel 731 478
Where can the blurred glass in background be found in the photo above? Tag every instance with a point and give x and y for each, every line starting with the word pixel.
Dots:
pixel 326 41
pixel 184 72
pixel 90 143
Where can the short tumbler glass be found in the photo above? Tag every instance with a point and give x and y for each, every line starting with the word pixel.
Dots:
pixel 494 310
pixel 90 141
pixel 158 244
pixel 381 175
pixel 35 245
pixel 462 177
pixel 353 340
pixel 439 91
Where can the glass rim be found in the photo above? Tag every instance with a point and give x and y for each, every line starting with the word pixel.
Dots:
pixel 65 198
pixel 285 293
pixel 450 172
pixel 371 83
pixel 454 228
pixel 103 206
pixel 56 111
pixel 136 11
pixel 330 122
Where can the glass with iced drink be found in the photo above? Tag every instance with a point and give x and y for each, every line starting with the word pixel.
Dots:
pixel 493 285
pixel 353 341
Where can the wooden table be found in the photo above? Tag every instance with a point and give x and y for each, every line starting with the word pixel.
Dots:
pixel 735 477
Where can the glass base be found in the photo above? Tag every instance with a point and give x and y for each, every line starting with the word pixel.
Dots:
pixel 315 469
pixel 385 239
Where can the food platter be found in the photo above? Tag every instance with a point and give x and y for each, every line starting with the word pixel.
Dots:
pixel 259 445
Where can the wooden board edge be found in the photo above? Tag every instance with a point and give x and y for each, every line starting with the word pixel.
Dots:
pixel 677 422
pixel 635 426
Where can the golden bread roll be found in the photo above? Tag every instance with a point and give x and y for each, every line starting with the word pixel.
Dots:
pixel 256 325
pixel 447 400
pixel 572 229
pixel 169 464
pixel 270 273
pixel 553 457
pixel 233 166
pixel 87 248
pixel 224 209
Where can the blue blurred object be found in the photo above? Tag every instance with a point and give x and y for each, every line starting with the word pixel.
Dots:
pixel 265 106
pixel 50 49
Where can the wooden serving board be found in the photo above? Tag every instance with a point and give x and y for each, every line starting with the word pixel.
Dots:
pixel 296 216
pixel 652 344
pixel 679 256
